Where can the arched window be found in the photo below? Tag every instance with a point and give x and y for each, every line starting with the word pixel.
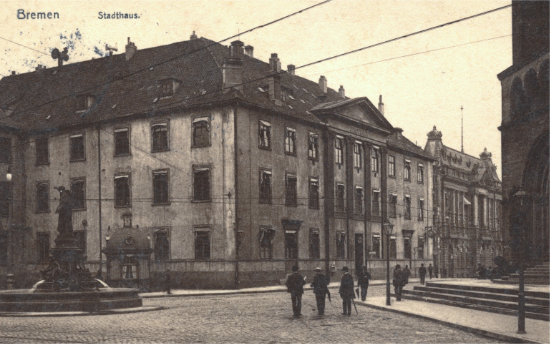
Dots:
pixel 531 85
pixel 544 80
pixel 518 99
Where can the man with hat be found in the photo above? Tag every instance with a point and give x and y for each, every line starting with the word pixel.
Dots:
pixel 320 289
pixel 295 286
pixel 346 290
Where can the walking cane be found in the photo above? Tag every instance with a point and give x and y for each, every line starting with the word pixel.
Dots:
pixel 354 306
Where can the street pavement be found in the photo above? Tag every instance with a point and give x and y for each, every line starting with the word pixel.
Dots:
pixel 254 318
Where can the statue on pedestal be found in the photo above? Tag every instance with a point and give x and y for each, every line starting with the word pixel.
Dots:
pixel 65 211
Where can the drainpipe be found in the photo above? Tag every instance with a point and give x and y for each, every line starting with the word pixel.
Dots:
pixel 100 274
pixel 236 218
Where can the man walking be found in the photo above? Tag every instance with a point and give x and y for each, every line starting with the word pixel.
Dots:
pixel 320 289
pixel 346 291
pixel 422 273
pixel 295 286
pixel 363 282
pixel 430 270
pixel 167 282
pixel 398 281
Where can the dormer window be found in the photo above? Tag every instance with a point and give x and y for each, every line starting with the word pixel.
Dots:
pixel 84 102
pixel 168 87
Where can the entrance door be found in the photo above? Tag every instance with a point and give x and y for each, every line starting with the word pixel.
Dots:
pixel 359 249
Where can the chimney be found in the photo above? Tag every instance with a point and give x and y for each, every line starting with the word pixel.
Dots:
pixel 291 69
pixel 193 36
pixel 249 51
pixel 342 92
pixel 275 63
pixel 232 70
pixel 323 84
pixel 130 49
pixel 380 105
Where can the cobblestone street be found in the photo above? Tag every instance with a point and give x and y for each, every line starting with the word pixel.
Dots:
pixel 256 318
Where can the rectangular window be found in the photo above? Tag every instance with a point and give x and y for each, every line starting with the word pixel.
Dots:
pixel 201 132
pixel 166 88
pixel 122 190
pixel 407 171
pixel 266 242
pixel 393 247
pixel 84 102
pixel 77 147
pixel 264 132
pixel 202 245
pixel 313 146
pixel 393 206
pixel 375 203
pixel 122 142
pixel 340 197
pixel 313 193
pixel 420 249
pixel 480 211
pixel 407 247
pixel 358 200
pixel 314 244
pixel 407 207
pixel 159 133
pixel 291 244
pixel 374 159
pixel 265 186
pixel 420 174
pixel 291 190
pixel 3 248
pixel 5 198
pixel 160 187
pixel 43 247
pixel 42 150
pixel 201 184
pixel 341 245
pixel 420 209
pixel 357 160
pixel 78 191
pixel 5 149
pixel 391 166
pixel 339 150
pixel 376 245
pixel 161 250
pixel 290 141
pixel 42 197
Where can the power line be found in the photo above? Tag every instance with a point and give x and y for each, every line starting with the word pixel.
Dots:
pixel 147 68
pixel 403 36
pixel 24 46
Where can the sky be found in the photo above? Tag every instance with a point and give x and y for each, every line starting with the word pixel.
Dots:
pixel 445 69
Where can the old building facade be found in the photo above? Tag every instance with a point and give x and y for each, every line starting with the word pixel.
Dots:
pixel 524 129
pixel 232 168
pixel 467 211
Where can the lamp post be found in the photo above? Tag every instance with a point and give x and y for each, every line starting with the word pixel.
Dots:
pixel 388 229
pixel 10 280
pixel 521 199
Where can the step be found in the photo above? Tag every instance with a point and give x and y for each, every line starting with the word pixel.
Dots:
pixel 485 295
pixel 538 294
pixel 530 315
pixel 478 301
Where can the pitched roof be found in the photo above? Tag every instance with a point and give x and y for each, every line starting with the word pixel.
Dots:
pixel 46 99
pixel 398 141
pixel 479 168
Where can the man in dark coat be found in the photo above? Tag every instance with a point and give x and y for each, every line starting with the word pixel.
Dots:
pixel 346 291
pixel 407 274
pixel 320 289
pixel 422 273
pixel 430 270
pixel 363 282
pixel 295 286
pixel 167 282
pixel 398 281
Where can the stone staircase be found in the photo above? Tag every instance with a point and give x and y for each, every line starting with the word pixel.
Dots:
pixel 494 299
pixel 538 274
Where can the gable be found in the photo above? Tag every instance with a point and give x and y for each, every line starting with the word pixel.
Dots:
pixel 363 114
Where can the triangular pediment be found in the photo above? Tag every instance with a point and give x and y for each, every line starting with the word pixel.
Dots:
pixel 359 110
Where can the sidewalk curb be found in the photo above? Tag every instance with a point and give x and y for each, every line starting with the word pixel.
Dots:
pixel 485 333
pixel 81 313
pixel 239 291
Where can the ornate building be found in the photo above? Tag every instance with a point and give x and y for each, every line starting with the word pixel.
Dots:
pixel 524 129
pixel 233 168
pixel 467 209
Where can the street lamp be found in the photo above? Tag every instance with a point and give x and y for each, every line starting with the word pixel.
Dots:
pixel 388 229
pixel 10 278
pixel 521 199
